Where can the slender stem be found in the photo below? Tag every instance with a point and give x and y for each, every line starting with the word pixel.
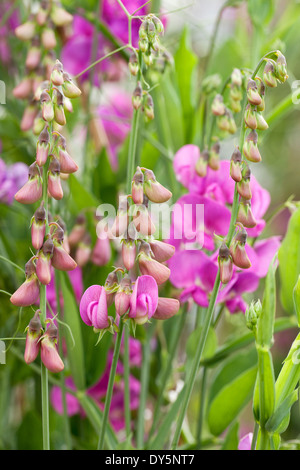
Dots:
pixel 100 60
pixel 127 382
pixel 132 149
pixel 44 381
pixel 254 439
pixel 176 333
pixel 110 386
pixel 201 408
pixel 144 387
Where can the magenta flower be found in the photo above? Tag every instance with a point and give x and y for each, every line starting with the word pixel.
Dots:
pixel 12 178
pixel 245 442
pixel 93 308
pixel 144 299
pixel 6 30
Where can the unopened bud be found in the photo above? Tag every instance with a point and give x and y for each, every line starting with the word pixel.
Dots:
pixel 252 314
pixel 245 215
pixel 238 251
pixel 38 227
pixel 269 76
pixel 34 332
pixel 69 88
pixel 250 148
pixel 280 70
pixel 236 166
pixel 137 96
pixel 57 77
pixel 155 191
pixel 225 264
pixel 133 64
pixel 243 186
pixel 137 187
pixel 218 107
pixel 54 184
pixel 201 164
pixel 253 96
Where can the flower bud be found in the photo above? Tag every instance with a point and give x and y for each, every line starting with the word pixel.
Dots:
pixel 61 259
pixel 151 267
pixel 48 38
pixel 33 56
pixel 245 215
pixel 238 252
pixel 83 252
pixel 28 117
pixel 43 265
pixel 252 314
pixel 137 188
pixel 225 264
pixel 67 164
pixel 128 253
pixel 111 286
pixel 42 13
pixel 143 30
pixel 137 96
pixel 143 45
pixel 159 27
pixel 166 308
pixel 250 148
pixel 54 183
pixel 43 147
pixel 32 190
pixel 235 94
pixel 261 90
pixel 214 157
pixel 223 122
pixel 161 251
pixel 201 164
pixel 60 16
pixel 280 70
pixel 154 191
pixel 236 78
pixel 243 186
pixel 24 89
pixel 236 166
pixel 133 64
pixel 142 220
pixel 102 252
pixel 59 112
pixel 122 297
pixel 253 96
pixel 78 231
pixel 28 293
pixel 38 227
pixel 149 108
pixel 25 31
pixel 121 222
pixel 34 332
pixel 250 117
pixel 47 107
pixel 148 59
pixel 262 125
pixel 218 108
pixel 49 354
pixel 69 88
pixel 269 76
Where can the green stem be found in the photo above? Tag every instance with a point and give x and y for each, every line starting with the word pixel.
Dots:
pixel 44 380
pixel 176 333
pixel 131 161
pixel 100 60
pixel 144 386
pixel 201 408
pixel 254 439
pixel 110 386
pixel 126 382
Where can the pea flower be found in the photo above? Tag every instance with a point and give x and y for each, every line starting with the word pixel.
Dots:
pixel 93 308
pixel 144 299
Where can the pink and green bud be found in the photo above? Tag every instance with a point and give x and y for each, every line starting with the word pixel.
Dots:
pixel 161 251
pixel 42 14
pixel 60 16
pixel 236 166
pixel 231 123
pixel 143 300
pixel 235 94
pixel 133 64
pixel 166 308
pixel 28 293
pixel 262 124
pixel 54 183
pixel 225 264
pixel 142 220
pixel 84 251
pixel 43 265
pixel 245 215
pixel 155 191
pixel 143 45
pixel 159 27
pixel 128 253
pixel 69 88
pixel 218 107
pixel 122 297
pixel 149 108
pixel 49 354
pixel 137 96
pixel 33 56
pixel 78 231
pixel 214 157
pixel 26 31
pixel 223 122
pixel 261 90
pixel 121 222
pixel 137 187
pixel 269 75
pixel 61 259
pixel 43 147
pixel 151 267
pixel 253 95
pixel 238 251
pixel 48 38
pixel 148 59
pixel 102 252
pixel 280 69
pixel 243 186
pixel 111 286
pixel 34 332
pixel 28 117
pixel 38 227
pixel 250 117
pixel 250 148
pixel 236 78
pixel 24 89
pixel 47 107
pixel 67 164
pixel 201 164
pixel 32 191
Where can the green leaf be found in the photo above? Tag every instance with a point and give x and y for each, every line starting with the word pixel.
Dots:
pixel 231 441
pixel 289 375
pixel 185 69
pixel 282 414
pixel 261 11
pixel 80 197
pixel 266 320
pixel 289 262
pixel 231 391
pixel 73 320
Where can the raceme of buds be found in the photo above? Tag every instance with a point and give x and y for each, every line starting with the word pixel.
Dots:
pixel 225 264
pixel 38 227
pixel 243 186
pixel 32 190
pixel 238 252
pixel 28 293
pixel 250 148
pixel 49 353
pixel 34 332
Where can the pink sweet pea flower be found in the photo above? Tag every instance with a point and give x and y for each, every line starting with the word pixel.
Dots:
pixel 93 308
pixel 144 299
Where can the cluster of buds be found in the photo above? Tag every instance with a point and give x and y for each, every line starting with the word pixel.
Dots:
pixel 234 255
pixel 38 340
pixel 149 32
pixel 41 31
pixel 141 99
pixel 208 158
pixel 134 296
pixel 81 247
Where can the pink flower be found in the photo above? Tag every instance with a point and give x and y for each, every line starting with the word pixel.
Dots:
pixel 144 299
pixel 93 307
pixel 245 442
